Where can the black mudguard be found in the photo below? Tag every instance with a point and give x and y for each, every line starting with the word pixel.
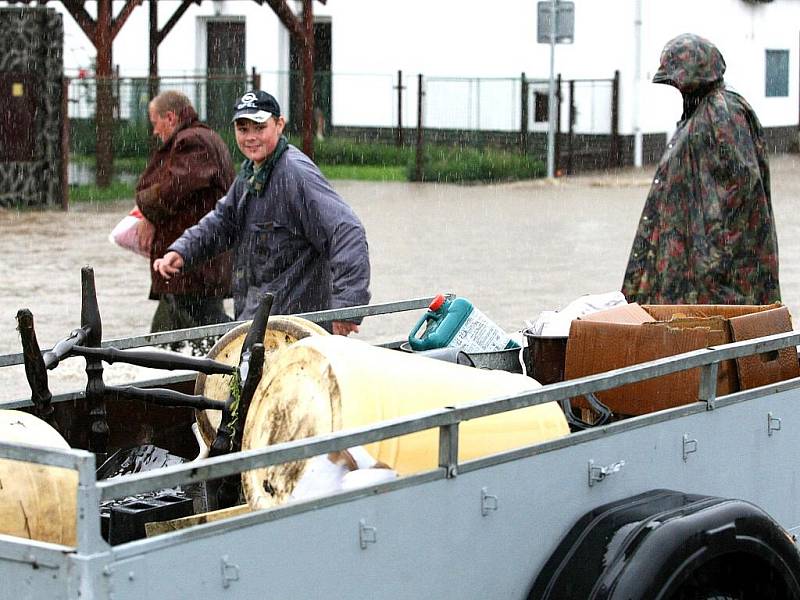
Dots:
pixel 649 546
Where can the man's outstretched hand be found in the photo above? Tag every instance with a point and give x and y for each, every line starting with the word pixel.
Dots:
pixel 343 327
pixel 168 265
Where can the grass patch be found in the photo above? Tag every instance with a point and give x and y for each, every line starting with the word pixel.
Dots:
pixel 342 151
pixel 362 161
pixel 364 172
pixel 118 190
pixel 457 165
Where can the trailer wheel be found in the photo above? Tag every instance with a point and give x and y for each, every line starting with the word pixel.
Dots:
pixel 666 545
pixel 733 576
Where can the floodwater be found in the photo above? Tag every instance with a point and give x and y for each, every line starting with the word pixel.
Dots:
pixel 83 174
pixel 513 249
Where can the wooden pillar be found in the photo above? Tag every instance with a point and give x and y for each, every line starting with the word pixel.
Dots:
pixel 308 79
pixel 65 143
pixel 104 118
pixel 152 82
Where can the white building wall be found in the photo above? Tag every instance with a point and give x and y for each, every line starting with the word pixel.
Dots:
pixel 373 39
pixel 742 31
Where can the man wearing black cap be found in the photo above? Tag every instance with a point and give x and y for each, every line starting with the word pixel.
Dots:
pixel 292 234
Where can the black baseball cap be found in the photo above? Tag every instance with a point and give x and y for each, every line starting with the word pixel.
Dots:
pixel 257 106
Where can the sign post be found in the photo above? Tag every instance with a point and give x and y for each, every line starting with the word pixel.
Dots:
pixel 555 25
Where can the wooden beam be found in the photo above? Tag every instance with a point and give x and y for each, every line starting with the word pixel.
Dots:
pixel 308 79
pixel 82 18
pixel 104 111
pixel 286 16
pixel 123 15
pixel 152 80
pixel 176 16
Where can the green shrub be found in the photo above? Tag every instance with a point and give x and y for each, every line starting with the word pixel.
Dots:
pixel 81 136
pixel 340 151
pixel 118 190
pixel 133 142
pixel 364 172
pixel 453 165
pixel 130 139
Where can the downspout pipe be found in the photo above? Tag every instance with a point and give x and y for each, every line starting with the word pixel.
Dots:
pixel 637 84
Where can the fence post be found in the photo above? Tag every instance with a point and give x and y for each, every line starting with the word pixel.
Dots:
pixel 523 125
pixel 571 136
pixel 152 82
pixel 420 137
pixel 558 125
pixel 255 79
pixel 614 157
pixel 399 134
pixel 65 143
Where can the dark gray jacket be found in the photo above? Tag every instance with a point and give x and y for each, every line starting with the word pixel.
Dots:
pixel 298 239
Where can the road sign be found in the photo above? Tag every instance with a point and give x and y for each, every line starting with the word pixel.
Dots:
pixel 565 22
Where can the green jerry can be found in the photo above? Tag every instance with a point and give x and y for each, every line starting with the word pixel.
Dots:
pixel 451 321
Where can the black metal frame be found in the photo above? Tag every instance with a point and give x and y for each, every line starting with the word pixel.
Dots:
pixel 85 341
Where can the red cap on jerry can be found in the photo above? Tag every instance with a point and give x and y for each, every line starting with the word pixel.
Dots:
pixel 437 302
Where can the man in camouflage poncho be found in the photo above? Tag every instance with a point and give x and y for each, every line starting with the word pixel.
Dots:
pixel 706 235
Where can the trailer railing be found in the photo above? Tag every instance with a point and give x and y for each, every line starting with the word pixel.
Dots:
pixel 91 491
pixel 197 333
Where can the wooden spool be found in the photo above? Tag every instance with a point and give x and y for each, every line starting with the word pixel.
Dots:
pixel 282 330
pixel 37 502
pixel 324 384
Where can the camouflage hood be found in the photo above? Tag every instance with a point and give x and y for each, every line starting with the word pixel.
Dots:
pixel 689 62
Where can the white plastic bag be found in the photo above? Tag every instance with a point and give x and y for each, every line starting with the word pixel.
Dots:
pixel 552 323
pixel 134 233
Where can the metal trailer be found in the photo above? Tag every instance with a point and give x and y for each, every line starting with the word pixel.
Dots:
pixel 487 528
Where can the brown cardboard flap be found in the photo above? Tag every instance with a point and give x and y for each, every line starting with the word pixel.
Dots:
pixel 769 367
pixel 596 347
pixel 624 313
pixel 718 334
pixel 717 326
pixel 664 312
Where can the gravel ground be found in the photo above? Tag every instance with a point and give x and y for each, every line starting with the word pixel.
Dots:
pixel 513 249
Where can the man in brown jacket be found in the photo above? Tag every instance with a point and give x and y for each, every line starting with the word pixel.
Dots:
pixel 185 177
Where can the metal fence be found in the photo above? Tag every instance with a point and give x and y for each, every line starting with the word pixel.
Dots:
pixel 508 112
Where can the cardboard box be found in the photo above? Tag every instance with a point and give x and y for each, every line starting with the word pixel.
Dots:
pixel 632 334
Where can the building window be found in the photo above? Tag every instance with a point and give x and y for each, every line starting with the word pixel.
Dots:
pixel 777 73
pixel 541 106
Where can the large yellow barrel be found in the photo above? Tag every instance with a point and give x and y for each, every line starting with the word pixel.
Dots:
pixel 324 384
pixel 36 501
pixel 282 330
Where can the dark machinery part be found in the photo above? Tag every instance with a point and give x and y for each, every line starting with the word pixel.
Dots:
pixel 225 492
pixel 35 370
pixel 85 341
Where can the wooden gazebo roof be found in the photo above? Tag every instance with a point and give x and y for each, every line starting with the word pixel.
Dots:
pixel 102 30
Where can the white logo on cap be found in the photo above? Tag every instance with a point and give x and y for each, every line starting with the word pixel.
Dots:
pixel 248 97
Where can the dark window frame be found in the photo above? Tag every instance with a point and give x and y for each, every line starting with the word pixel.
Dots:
pixel 776 73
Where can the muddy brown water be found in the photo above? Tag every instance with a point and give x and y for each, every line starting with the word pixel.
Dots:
pixel 513 249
